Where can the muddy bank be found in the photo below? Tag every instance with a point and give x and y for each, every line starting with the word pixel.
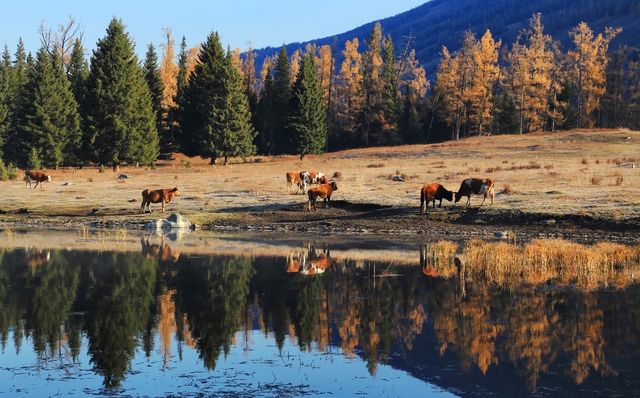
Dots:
pixel 357 219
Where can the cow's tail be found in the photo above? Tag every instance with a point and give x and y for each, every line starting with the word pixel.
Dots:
pixel 145 194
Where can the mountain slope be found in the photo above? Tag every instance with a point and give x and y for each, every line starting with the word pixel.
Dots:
pixel 443 22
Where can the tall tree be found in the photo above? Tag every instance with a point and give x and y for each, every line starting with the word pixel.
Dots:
pixel 266 116
pixel 373 118
pixel 121 122
pixel 78 71
pixel 282 140
pixel 350 94
pixel 414 86
pixel 308 117
pixel 530 68
pixel 154 81
pixel 168 71
pixel 5 87
pixel 215 118
pixel 587 68
pixel 486 74
pixel 49 122
pixel 391 100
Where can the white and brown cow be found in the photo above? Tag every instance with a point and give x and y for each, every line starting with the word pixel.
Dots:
pixel 475 186
pixel 37 176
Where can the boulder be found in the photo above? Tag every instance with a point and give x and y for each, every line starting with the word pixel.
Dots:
pixel 175 222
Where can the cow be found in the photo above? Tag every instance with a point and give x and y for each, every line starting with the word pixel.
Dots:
pixel 323 191
pixel 37 176
pixel 158 196
pixel 433 192
pixel 162 252
pixel 296 178
pixel 316 177
pixel 475 186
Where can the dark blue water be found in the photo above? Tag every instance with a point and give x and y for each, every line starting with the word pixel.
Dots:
pixel 152 324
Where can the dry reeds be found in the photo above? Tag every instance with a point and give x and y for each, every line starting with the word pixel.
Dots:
pixel 557 260
pixel 375 165
pixel 595 180
pixel 618 179
pixel 439 257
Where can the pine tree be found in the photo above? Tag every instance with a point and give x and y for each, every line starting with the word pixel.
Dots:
pixel 78 71
pixel 181 84
pixel 308 116
pixel 282 139
pixel 152 76
pixel 5 85
pixel 506 115
pixel 266 116
pixel 237 134
pixel 50 122
pixel 215 116
pixel 414 85
pixel 121 121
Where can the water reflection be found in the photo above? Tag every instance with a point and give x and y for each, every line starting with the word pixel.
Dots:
pixel 431 320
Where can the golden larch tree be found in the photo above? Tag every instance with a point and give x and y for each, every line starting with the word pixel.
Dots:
pixel 296 57
pixel 168 71
pixel 236 60
pixel 325 65
pixel 349 88
pixel 587 69
pixel 486 73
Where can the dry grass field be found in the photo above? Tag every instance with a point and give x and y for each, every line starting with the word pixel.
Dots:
pixel 582 173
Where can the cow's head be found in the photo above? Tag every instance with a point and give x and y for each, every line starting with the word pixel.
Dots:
pixel 334 185
pixel 448 195
pixel 458 196
pixel 175 191
pixel 48 178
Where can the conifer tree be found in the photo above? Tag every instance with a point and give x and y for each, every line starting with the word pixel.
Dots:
pixel 5 84
pixel 152 76
pixel 373 118
pixel 266 116
pixel 180 139
pixel 308 116
pixel 282 104
pixel 215 117
pixel 485 76
pixel 237 133
pixel 391 101
pixel 121 122
pixel 414 85
pixel 78 71
pixel 350 94
pixel 49 121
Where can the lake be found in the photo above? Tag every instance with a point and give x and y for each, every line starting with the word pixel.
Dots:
pixel 86 313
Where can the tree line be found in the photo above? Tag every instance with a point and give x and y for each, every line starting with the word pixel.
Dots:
pixel 57 109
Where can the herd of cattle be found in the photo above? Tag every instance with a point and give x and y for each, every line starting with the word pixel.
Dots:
pixel 300 180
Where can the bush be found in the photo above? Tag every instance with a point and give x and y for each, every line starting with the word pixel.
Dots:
pixel 4 175
pixel 34 160
pixel 12 171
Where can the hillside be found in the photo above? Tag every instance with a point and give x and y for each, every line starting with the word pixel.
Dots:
pixel 442 22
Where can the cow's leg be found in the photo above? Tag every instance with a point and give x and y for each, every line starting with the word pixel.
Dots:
pixel 439 204
pixel 142 207
pixel 327 202
pixel 163 202
pixel 483 199
pixel 468 200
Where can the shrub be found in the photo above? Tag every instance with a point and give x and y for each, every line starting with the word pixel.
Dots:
pixel 3 172
pixel 507 190
pixel 34 160
pixel 595 180
pixel 619 179
pixel 12 171
pixel 101 169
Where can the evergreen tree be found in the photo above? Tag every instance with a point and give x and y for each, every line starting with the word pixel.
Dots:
pixel 49 122
pixel 282 137
pixel 179 136
pixel 238 133
pixel 78 71
pixel 152 75
pixel 410 123
pixel 308 117
pixel 506 118
pixel 265 116
pixel 121 123
pixel 5 84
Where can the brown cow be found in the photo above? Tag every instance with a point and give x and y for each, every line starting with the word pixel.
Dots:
pixel 296 178
pixel 162 252
pixel 433 192
pixel 323 191
pixel 316 177
pixel 37 176
pixel 475 186
pixel 158 196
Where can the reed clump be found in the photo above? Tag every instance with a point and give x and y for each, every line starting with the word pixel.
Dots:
pixel 437 258
pixel 552 260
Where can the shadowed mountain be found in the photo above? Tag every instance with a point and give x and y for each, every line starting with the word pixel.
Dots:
pixel 443 22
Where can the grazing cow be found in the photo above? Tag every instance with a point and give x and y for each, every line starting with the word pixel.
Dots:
pixel 316 177
pixel 475 186
pixel 296 178
pixel 158 196
pixel 37 176
pixel 323 191
pixel 433 192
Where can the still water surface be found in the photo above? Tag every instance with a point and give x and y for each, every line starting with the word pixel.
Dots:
pixel 153 322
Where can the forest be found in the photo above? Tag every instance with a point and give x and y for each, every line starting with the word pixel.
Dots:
pixel 59 109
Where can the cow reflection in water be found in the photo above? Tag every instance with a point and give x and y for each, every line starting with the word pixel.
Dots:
pixel 162 251
pixel 310 262
pixel 38 258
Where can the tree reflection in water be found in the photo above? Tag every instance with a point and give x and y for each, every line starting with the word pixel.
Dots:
pixel 404 316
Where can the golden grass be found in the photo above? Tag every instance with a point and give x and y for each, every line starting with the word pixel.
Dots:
pixel 208 191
